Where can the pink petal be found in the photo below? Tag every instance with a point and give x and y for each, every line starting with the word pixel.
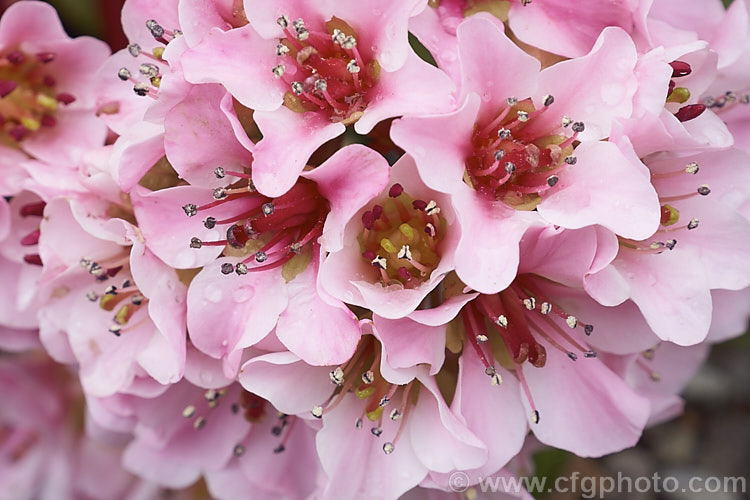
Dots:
pixel 568 29
pixel 319 333
pixel 404 92
pixel 135 152
pixel 214 60
pixel 348 189
pixel 277 166
pixel 440 158
pixel 290 384
pixel 488 59
pixel 606 186
pixel 594 89
pixel 584 407
pixel 494 414
pixel 487 255
pixel 198 138
pixel 407 343
pixel 168 230
pixel 227 313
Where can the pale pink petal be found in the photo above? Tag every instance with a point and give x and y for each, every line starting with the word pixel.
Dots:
pixel 487 255
pixel 607 186
pixel 407 343
pixel 198 138
pixel 319 333
pixel 584 407
pixel 227 313
pixel 286 381
pixel 214 60
pixel 277 164
pixel 493 413
pixel 568 29
pixel 594 89
pixel 381 25
pixel 417 88
pixel 488 59
pixel 670 290
pixel 731 312
pixel 158 210
pixel 440 438
pixel 135 152
pixel 565 256
pixel 349 179
pixel 263 15
pixel 364 470
pixel 440 158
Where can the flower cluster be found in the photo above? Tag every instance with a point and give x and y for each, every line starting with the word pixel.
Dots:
pixel 312 249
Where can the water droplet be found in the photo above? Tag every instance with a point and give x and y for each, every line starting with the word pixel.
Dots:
pixel 213 293
pixel 449 56
pixel 243 294
pixel 185 258
pixel 612 93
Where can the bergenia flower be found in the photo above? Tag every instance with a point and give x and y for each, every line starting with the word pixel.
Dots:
pixel 268 255
pixel 45 452
pixel 383 431
pixel 320 249
pixel 207 425
pixel 394 251
pixel 46 88
pixel 524 140
pixel 313 68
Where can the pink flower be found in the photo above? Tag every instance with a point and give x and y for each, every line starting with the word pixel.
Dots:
pixel 43 451
pixel 268 256
pixel 507 155
pixel 554 26
pixel 108 303
pixel 699 246
pixel 391 253
pixel 301 71
pixel 46 87
pixel 382 431
pixel 234 438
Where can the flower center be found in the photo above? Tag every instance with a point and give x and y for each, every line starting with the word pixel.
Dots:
pixel 125 301
pixel 401 237
pixel 284 225
pixel 509 164
pixel 361 375
pixel 253 409
pixel 324 70
pixel 28 100
pixel 518 316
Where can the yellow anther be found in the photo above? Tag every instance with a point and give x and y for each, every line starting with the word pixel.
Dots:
pixel 158 52
pixel 364 392
pixel 407 231
pixel 374 415
pixel 155 81
pixel 679 95
pixel 123 315
pixel 47 102
pixel 673 215
pixel 106 302
pixel 30 123
pixel 388 246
